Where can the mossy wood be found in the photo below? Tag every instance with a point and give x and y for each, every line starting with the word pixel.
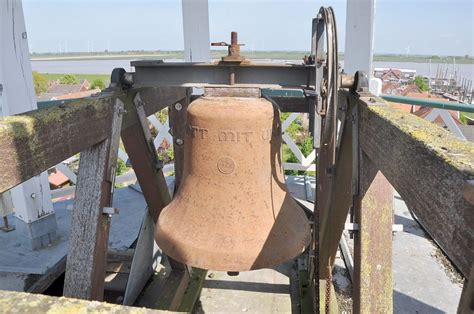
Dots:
pixel 89 235
pixel 21 302
pixel 34 141
pixel 430 168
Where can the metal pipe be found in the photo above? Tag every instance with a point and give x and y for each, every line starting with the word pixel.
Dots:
pixel 429 103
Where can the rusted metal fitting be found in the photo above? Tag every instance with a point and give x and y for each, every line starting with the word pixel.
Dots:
pixel 346 81
pixel 233 49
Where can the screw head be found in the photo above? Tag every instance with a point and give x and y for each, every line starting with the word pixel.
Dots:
pixel 179 141
pixel 178 106
pixel 33 195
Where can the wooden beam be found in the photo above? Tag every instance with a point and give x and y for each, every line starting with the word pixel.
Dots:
pixel 32 142
pixel 12 301
pixel 466 302
pixel 155 98
pixel 431 170
pixel 138 143
pixel 88 240
pixel 37 140
pixel 334 214
pixel 373 283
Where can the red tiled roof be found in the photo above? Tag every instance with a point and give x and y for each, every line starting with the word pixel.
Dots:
pixel 396 73
pixel 57 179
pixel 390 86
pixel 411 89
pixel 78 94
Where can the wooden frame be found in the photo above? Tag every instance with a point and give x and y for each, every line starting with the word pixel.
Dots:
pixel 37 140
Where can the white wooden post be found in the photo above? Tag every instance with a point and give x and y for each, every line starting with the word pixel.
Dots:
pixel 35 220
pixel 196 30
pixel 359 45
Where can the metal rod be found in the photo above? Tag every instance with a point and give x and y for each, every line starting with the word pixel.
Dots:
pixel 429 103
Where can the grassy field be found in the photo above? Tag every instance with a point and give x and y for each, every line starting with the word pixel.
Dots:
pixel 286 55
pixel 90 77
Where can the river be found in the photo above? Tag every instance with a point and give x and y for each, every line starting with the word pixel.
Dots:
pixel 106 66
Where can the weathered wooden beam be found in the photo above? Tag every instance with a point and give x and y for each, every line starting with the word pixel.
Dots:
pixel 88 240
pixel 431 170
pixel 155 98
pixel 334 214
pixel 138 143
pixel 373 283
pixel 34 141
pixel 21 302
pixel 466 302
pixel 37 140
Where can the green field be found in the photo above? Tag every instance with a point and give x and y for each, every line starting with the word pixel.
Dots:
pixel 90 77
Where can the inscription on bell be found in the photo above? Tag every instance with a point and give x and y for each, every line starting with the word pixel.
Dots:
pixel 230 135
pixel 195 131
pixel 235 136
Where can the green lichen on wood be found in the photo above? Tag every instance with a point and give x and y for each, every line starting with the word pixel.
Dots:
pixel 456 152
pixel 24 125
pixel 21 302
pixel 29 127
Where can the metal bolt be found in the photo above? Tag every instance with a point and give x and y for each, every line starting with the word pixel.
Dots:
pixel 179 141
pixel 178 106
pixel 33 195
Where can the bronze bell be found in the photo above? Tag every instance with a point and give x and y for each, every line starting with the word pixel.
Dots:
pixel 232 211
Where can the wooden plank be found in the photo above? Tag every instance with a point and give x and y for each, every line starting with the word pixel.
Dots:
pixel 87 257
pixel 21 302
pixel 138 143
pixel 466 302
pixel 193 291
pixel 430 168
pixel 334 214
pixel 174 290
pixel 37 140
pixel 373 282
pixel 149 175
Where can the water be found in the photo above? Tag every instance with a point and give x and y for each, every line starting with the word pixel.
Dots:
pixel 106 66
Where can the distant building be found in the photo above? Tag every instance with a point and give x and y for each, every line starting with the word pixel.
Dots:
pixel 62 89
pixel 392 88
pixel 58 91
pixel 413 91
pixel 402 76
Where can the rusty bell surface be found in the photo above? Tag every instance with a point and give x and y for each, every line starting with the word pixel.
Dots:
pixel 232 211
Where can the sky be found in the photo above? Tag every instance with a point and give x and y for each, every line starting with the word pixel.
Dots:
pixel 426 27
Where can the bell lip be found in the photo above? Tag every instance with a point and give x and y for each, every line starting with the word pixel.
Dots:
pixel 209 256
pixel 211 266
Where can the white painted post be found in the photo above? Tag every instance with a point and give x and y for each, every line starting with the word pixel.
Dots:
pixel 35 220
pixel 196 30
pixel 359 45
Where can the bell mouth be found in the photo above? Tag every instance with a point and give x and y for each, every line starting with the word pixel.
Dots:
pixel 216 249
